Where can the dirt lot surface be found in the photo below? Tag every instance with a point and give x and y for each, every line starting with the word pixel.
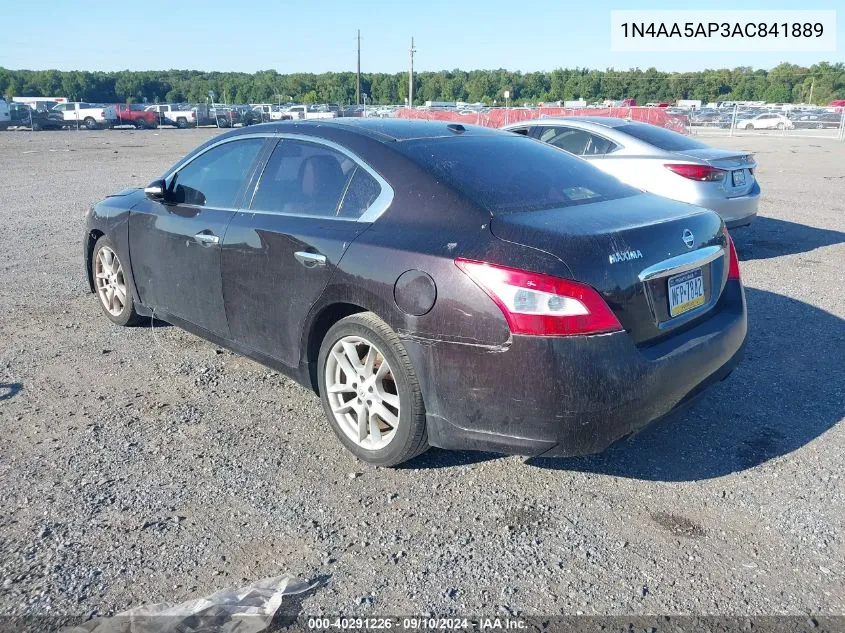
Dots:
pixel 142 465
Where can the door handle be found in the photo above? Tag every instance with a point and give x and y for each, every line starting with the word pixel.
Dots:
pixel 310 260
pixel 206 238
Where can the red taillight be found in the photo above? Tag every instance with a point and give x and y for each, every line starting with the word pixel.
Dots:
pixel 703 173
pixel 733 261
pixel 541 305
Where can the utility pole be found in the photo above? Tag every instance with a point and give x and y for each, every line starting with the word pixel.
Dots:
pixel 358 85
pixel 412 50
pixel 812 85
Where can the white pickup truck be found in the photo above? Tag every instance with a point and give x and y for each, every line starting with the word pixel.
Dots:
pixel 307 112
pixel 91 116
pixel 181 116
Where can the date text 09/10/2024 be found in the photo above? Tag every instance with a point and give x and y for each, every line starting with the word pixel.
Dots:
pixel 417 623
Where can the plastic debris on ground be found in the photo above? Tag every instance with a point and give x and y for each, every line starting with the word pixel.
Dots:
pixel 246 610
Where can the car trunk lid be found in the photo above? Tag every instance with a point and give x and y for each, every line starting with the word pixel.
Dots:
pixel 634 251
pixel 739 166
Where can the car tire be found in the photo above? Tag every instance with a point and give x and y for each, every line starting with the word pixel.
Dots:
pixel 90 123
pixel 36 127
pixel 105 261
pixel 140 124
pixel 377 413
pixel 749 126
pixel 181 123
pixel 781 126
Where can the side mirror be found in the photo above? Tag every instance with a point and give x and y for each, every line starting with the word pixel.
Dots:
pixel 155 190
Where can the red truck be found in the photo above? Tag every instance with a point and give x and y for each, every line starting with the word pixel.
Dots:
pixel 135 114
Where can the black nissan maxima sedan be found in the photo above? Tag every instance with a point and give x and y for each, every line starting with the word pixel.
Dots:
pixel 436 284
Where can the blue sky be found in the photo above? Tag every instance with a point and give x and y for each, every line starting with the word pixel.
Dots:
pixel 319 35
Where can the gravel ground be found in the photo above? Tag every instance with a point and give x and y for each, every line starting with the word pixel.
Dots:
pixel 142 465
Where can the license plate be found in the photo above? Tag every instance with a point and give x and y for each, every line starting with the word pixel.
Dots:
pixel 686 292
pixel 739 178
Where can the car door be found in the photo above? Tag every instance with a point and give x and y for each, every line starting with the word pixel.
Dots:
pixel 64 108
pixel 174 243
pixel 312 200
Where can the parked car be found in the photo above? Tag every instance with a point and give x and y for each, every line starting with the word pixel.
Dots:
pixel 136 114
pixel 22 115
pixel 764 121
pixel 89 115
pixel 705 118
pixel 819 121
pixel 216 114
pixel 353 111
pixel 248 115
pixel 180 115
pixel 658 160
pixel 436 284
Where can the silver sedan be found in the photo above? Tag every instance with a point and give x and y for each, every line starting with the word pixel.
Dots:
pixel 658 160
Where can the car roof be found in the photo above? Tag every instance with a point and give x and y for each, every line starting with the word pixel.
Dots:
pixel 605 121
pixel 384 130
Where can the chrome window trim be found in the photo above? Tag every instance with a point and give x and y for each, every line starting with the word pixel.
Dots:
pixel 682 263
pixel 373 212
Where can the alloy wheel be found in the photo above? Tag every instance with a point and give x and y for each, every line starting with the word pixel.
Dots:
pixel 111 284
pixel 362 392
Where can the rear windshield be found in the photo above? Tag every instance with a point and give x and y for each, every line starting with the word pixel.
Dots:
pixel 510 173
pixel 661 137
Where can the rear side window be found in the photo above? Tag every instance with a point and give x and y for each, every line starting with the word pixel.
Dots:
pixel 303 179
pixel 661 137
pixel 214 178
pixel 362 192
pixel 509 173
pixel 576 141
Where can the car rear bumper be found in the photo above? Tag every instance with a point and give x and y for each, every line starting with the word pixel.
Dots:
pixel 571 395
pixel 738 211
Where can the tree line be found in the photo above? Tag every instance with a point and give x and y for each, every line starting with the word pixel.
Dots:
pixel 819 83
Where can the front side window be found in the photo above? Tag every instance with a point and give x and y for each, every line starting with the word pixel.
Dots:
pixel 304 178
pixel 214 178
